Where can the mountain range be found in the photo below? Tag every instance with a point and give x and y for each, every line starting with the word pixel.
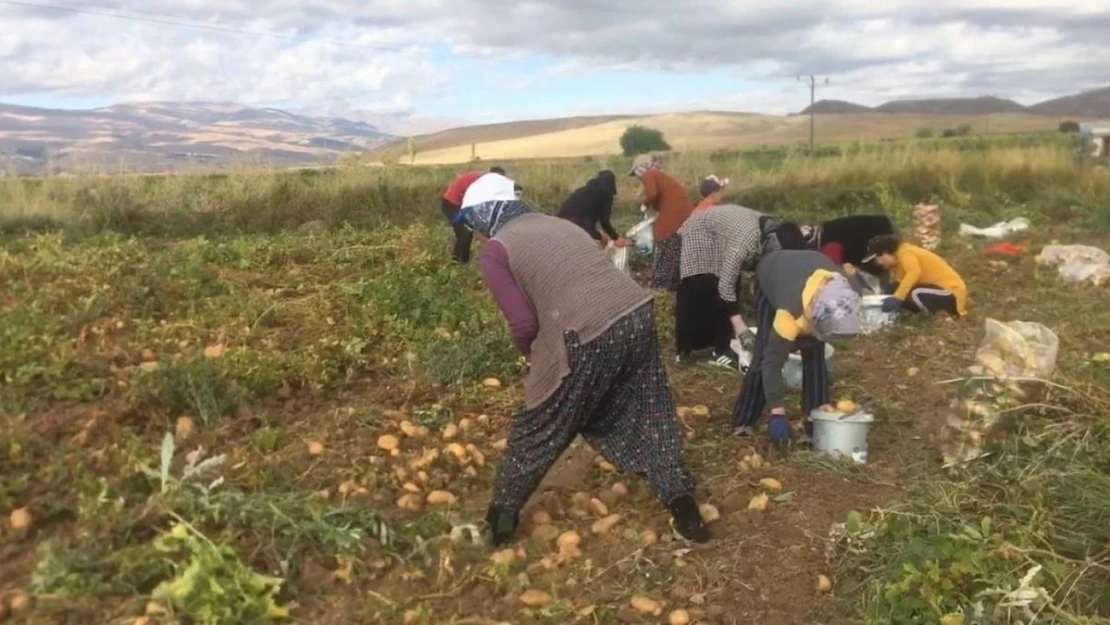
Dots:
pixel 164 136
pixel 160 136
pixel 1088 104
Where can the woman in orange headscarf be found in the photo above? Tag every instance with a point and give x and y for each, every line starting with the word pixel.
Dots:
pixel 667 197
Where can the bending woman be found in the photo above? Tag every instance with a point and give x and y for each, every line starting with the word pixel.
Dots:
pixel 802 300
pixel 668 198
pixel 591 205
pixel 844 240
pixel 588 331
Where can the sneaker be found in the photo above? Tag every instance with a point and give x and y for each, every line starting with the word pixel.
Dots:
pixel 726 360
pixel 686 520
pixel 744 430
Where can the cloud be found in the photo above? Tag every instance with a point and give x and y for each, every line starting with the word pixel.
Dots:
pixel 381 55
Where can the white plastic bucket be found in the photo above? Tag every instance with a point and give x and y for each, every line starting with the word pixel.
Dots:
pixel 835 434
pixel 792 370
pixel 871 315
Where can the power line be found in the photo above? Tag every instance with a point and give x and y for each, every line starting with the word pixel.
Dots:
pixel 812 82
pixel 156 18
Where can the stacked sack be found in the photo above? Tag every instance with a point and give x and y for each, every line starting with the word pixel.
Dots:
pixel 926 225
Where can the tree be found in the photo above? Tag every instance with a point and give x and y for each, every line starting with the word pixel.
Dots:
pixel 925 133
pixel 642 140
pixel 1069 126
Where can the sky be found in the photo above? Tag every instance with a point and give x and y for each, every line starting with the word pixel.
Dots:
pixel 501 60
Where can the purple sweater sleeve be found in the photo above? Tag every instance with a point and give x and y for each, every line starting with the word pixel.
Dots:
pixel 513 302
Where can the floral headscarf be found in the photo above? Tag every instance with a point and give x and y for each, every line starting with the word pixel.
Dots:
pixel 647 164
pixel 836 310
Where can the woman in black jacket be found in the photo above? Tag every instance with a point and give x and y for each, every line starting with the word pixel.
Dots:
pixel 592 204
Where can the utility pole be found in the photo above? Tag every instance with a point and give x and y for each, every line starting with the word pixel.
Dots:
pixel 812 82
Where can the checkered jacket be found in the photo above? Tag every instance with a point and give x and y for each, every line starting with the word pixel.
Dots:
pixel 723 240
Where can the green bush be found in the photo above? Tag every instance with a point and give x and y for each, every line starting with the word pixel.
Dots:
pixel 641 140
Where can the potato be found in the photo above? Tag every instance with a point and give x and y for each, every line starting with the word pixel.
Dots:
pixel 599 508
pixel 19 602
pixel 500 445
pixel 646 605
pixel 679 617
pixel 771 484
pixel 759 502
pixel 20 519
pixel 450 432
pixel 185 428
pixel 604 526
pixel 620 489
pixel 315 448
pixel 541 517
pixel 701 411
pixel 568 542
pixel 441 498
pixel 709 513
pixel 456 450
pixel 535 598
pixel 846 405
pixel 491 383
pixel 388 442
pixel 823 584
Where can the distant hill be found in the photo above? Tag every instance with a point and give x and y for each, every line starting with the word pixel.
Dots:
pixel 952 106
pixel 835 107
pixel 158 136
pixel 493 132
pixel 1095 103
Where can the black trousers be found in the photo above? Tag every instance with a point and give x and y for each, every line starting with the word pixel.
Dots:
pixel 701 318
pixel 929 299
pixel 463 236
pixel 815 374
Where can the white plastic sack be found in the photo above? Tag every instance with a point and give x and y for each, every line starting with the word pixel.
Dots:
pixel 1096 274
pixel 641 234
pixel 1018 349
pixel 1071 254
pixel 619 256
pixel 998 230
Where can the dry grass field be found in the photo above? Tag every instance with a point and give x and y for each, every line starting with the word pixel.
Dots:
pixel 576 137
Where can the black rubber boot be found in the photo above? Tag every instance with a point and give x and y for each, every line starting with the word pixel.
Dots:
pixel 687 519
pixel 502 525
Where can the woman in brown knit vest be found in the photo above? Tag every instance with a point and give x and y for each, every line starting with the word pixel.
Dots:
pixel 588 331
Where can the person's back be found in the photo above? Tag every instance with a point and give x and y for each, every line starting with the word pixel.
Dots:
pixel 672 201
pixel 571 285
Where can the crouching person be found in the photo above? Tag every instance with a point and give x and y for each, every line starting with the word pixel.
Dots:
pixel 802 300
pixel 921 281
pixel 588 331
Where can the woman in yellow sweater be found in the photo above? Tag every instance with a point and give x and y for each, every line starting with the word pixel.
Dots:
pixel 923 281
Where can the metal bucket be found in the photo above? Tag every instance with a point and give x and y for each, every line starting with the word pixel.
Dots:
pixel 837 434
pixel 792 370
pixel 871 315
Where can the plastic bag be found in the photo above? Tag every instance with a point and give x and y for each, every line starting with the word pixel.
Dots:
pixel 619 256
pixel 641 234
pixel 1071 254
pixel 1096 274
pixel 998 230
pixel 1016 349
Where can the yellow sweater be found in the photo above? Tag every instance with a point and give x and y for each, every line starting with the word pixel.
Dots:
pixel 918 266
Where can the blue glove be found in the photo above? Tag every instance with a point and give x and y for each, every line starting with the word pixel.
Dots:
pixel 779 430
pixel 891 304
